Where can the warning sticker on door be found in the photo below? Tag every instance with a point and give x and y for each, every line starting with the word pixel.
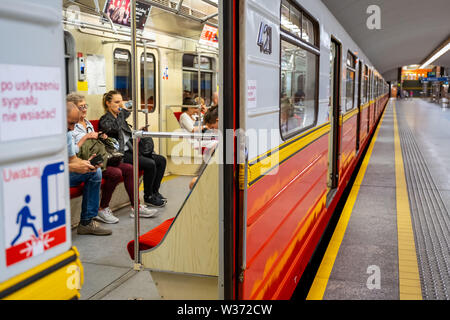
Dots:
pixel 30 102
pixel 34 209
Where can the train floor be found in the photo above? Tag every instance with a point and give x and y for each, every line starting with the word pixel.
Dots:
pixel 108 268
pixel 392 239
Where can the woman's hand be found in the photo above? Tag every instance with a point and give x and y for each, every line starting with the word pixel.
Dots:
pixel 92 135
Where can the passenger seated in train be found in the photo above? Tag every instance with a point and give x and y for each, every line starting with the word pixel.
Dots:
pixel 211 126
pixel 114 124
pixel 288 120
pixel 189 116
pixel 201 102
pixel 215 99
pixel 81 171
pixel 84 131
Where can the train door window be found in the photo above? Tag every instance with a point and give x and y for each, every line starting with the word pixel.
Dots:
pixel 350 81
pixel 299 73
pixel 366 84
pixel 122 73
pixel 192 68
pixel 148 81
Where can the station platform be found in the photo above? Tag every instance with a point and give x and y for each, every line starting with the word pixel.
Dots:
pixel 393 236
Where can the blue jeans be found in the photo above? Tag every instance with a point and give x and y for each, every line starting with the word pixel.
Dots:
pixel 91 192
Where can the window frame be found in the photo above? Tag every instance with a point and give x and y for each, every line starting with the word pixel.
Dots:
pixel 129 68
pixel 366 84
pixel 352 69
pixel 209 71
pixel 314 21
pixel 309 47
pixel 154 80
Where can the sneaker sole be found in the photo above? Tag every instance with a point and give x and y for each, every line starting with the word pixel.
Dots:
pixel 93 233
pixel 104 221
pixel 145 216
pixel 155 205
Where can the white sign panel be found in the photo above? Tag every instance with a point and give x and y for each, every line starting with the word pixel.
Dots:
pixel 34 208
pixel 30 102
pixel 96 74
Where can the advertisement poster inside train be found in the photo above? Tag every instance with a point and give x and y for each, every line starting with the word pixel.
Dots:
pixel 210 36
pixel 119 12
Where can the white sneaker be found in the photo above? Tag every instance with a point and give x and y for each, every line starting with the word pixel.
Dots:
pixel 106 216
pixel 144 212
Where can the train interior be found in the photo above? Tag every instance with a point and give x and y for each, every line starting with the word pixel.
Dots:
pixel 183 262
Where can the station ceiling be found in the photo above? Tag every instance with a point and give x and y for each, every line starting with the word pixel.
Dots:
pixel 410 30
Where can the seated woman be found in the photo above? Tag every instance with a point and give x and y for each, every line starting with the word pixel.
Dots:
pixel 211 126
pixel 113 123
pixel 112 175
pixel 190 116
pixel 201 102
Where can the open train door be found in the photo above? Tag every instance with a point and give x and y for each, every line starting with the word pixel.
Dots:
pixel 197 256
pixel 230 196
pixel 335 89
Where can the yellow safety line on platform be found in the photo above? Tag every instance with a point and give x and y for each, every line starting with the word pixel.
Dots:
pixel 408 273
pixel 326 266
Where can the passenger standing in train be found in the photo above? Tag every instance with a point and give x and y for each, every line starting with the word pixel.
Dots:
pixel 113 175
pixel 114 124
pixel 81 171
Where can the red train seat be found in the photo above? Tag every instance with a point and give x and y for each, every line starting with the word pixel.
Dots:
pixel 177 115
pixel 150 239
pixel 94 124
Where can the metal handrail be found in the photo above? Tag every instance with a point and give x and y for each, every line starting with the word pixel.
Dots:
pixel 198 106
pixel 175 135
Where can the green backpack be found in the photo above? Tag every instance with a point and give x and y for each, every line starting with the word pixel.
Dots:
pixel 103 147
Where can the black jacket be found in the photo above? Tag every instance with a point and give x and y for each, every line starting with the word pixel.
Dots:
pixel 115 127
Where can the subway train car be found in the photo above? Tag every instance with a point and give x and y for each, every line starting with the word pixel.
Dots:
pixel 298 104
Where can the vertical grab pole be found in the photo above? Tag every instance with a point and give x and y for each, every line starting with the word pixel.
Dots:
pixel 199 81
pixel 134 88
pixel 146 83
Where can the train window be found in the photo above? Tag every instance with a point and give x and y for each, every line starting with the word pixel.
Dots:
pixel 291 19
pixel 350 81
pixel 296 22
pixel 122 73
pixel 298 110
pixel 365 80
pixel 191 70
pixel 70 59
pixel 148 86
pixel 308 33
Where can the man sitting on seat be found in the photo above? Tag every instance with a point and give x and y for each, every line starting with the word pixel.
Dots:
pixel 82 171
pixel 211 127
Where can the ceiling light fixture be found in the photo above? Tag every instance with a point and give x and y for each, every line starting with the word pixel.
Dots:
pixel 436 56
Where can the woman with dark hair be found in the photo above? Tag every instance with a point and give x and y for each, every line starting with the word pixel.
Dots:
pixel 114 124
pixel 189 115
